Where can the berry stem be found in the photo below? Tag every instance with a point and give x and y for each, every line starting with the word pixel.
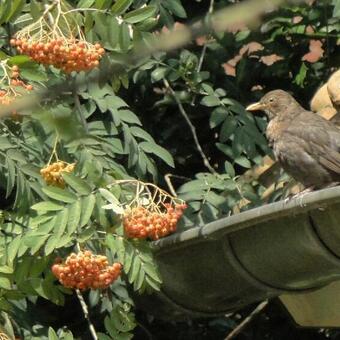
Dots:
pixel 86 314
pixel 85 308
pixel 54 151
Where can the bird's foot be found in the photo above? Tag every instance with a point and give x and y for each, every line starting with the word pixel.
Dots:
pixel 299 196
pixel 331 185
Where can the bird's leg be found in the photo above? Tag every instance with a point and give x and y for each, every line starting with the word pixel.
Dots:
pixel 300 195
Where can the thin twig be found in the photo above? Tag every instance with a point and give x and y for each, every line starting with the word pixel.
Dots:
pixel 246 321
pixel 85 309
pixel 191 126
pixel 167 178
pixel 169 184
pixel 80 112
pixel 204 49
pixel 86 314
pixel 146 331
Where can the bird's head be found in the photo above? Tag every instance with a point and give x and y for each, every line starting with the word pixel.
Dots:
pixel 275 103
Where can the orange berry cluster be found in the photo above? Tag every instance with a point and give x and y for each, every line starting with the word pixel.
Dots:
pixel 66 54
pixel 86 271
pixel 7 96
pixel 15 81
pixel 140 222
pixel 52 173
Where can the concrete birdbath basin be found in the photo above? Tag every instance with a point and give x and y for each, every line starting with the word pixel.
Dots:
pixel 261 253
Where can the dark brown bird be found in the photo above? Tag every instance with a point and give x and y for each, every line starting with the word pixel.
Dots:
pixel 306 145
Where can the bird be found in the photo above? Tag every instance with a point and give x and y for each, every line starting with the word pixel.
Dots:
pixel 306 145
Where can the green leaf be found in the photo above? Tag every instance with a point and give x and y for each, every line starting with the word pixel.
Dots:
pixel 86 234
pixel 17 6
pixel 159 73
pixel 102 336
pixel 22 269
pixel 140 133
pixel 120 320
pixel 58 229
pixel 109 196
pixel 218 116
pixel 60 222
pixel 154 285
pixel 35 9
pixel 10 175
pixel 67 335
pixel 87 205
pixel 113 32
pixel 301 76
pixel 138 283
pixel 129 117
pixel 4 10
pixel 37 242
pixel 76 183
pixel 121 6
pixel 47 206
pixel 74 217
pixel 85 3
pixel 51 244
pixel 31 170
pixel 227 129
pixel 229 169
pixel 5 143
pixel 210 101
pixel 101 4
pixel 151 270
pixel 175 7
pixel 5 283
pixel 135 268
pixel 128 257
pixel 158 151
pixel 59 194
pixel 6 269
pixel 140 14
pixel 52 335
pixel 13 248
pixel 28 69
pixel 124 37
pixel 243 161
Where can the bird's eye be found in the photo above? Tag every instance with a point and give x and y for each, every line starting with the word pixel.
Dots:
pixel 271 100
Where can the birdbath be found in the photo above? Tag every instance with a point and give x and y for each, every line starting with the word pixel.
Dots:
pixel 278 249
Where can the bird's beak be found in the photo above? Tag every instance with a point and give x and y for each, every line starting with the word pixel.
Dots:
pixel 255 107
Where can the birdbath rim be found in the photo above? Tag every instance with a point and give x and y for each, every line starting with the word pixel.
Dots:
pixel 245 219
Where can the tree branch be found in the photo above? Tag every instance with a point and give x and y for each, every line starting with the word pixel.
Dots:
pixel 247 320
pixel 78 107
pixel 86 314
pixel 204 49
pixel 191 126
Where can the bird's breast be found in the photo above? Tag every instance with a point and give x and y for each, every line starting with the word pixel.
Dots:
pixel 275 128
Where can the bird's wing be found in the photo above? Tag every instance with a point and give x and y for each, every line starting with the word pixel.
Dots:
pixel 328 158
pixel 321 139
